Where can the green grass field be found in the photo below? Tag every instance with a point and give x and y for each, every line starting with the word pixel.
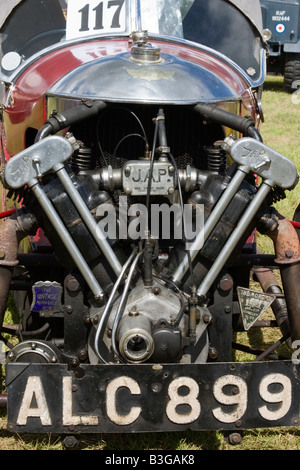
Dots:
pixel 281 131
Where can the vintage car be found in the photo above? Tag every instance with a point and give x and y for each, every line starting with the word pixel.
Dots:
pixel 134 183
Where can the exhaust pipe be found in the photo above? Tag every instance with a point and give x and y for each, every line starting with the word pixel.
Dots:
pixel 287 252
pixel 270 285
pixel 12 231
pixel 5 279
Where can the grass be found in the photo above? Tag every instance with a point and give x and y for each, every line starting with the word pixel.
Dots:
pixel 281 131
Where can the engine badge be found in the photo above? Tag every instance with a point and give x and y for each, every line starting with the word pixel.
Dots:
pixel 150 74
pixel 136 176
pixel 46 297
pixel 253 304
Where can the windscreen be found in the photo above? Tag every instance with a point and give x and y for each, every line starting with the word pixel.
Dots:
pixel 35 25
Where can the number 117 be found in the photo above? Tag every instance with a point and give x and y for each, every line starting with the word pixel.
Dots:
pixel 99 11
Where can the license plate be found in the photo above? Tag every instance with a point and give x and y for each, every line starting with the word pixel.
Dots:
pixel 151 398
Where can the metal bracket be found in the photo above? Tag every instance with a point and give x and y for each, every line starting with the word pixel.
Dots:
pixel 255 157
pixel 25 168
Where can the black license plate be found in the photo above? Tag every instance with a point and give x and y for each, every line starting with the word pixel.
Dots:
pixel 151 398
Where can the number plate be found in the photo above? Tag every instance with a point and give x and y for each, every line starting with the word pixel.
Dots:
pixel 92 17
pixel 141 398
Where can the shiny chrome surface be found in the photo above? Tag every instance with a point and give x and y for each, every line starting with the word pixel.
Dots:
pixel 172 81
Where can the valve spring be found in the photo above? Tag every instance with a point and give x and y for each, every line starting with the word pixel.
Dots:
pixel 83 159
pixel 216 158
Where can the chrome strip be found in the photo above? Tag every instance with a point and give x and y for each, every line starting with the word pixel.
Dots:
pixel 138 15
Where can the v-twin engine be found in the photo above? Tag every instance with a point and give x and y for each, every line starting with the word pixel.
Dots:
pixel 147 245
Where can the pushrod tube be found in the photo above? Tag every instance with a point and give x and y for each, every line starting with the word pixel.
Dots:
pixel 122 305
pixel 233 240
pixel 105 315
pixel 89 220
pixel 68 241
pixel 210 224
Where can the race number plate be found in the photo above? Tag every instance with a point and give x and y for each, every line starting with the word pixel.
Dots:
pixel 94 18
pixel 141 398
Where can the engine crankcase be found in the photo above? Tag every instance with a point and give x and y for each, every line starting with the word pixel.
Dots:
pixel 152 328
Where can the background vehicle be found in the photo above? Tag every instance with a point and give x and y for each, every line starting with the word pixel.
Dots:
pixel 130 161
pixel 281 21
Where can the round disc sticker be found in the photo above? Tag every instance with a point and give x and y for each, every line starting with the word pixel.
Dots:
pixel 280 28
